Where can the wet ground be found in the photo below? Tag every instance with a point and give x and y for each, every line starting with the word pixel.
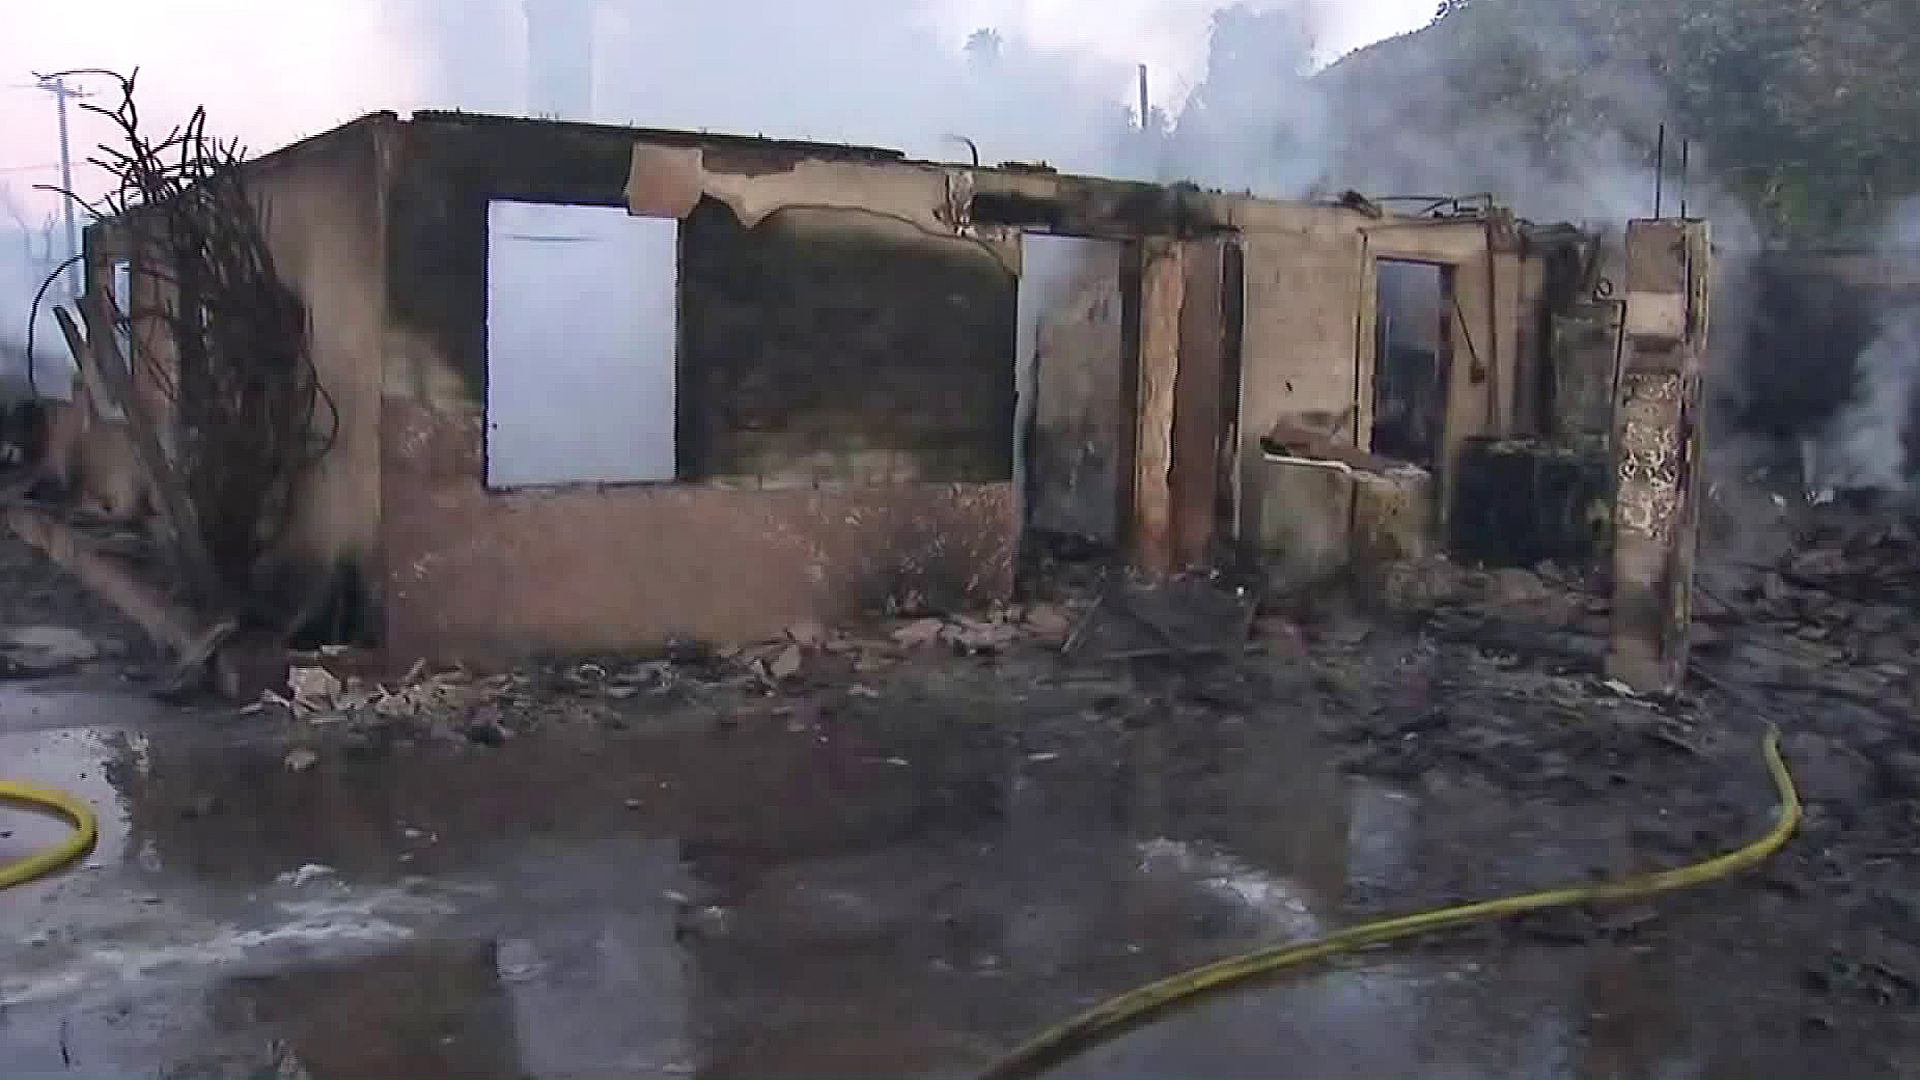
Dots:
pixel 907 871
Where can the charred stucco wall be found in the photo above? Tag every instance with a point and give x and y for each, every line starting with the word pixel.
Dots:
pixel 483 575
pixel 1302 311
pixel 835 346
pixel 1308 358
pixel 325 222
pixel 320 202
pixel 1304 273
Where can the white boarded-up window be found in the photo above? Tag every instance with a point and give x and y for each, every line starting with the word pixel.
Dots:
pixel 580 345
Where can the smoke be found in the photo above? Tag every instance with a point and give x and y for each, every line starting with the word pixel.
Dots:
pixel 1552 128
pixel 1532 108
pixel 1243 100
pixel 1257 121
pixel 1052 270
pixel 30 250
pixel 1869 441
pixel 1531 104
pixel 864 71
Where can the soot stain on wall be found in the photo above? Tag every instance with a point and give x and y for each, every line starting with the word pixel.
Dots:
pixel 843 337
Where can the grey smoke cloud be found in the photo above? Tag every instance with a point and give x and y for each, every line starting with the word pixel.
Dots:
pixel 893 72
pixel 31 247
pixel 1865 444
pixel 868 71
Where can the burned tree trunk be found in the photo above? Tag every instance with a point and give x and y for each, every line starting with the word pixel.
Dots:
pixel 239 396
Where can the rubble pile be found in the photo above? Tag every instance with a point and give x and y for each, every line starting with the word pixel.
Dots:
pixel 1861 559
pixel 1848 587
pixel 1436 586
pixel 317 695
pixel 456 703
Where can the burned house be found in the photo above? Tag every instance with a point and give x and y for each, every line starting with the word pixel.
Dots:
pixel 599 387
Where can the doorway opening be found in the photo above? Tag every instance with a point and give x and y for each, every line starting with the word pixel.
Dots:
pixel 1411 332
pixel 1074 419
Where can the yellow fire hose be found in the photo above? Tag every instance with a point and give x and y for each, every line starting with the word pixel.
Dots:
pixel 36 797
pixel 1061 1042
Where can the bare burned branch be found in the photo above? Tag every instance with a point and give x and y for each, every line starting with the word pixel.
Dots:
pixel 216 332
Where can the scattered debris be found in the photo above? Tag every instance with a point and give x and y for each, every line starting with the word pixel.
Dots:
pixel 973 636
pixel 305 875
pixel 919 632
pixel 487 732
pixel 318 696
pixel 286 1064
pixel 1184 617
pixel 301 759
pixel 314 689
pixel 1049 621
pixel 194 662
pixel 1861 556
pixel 34 651
pixel 787 664
pixel 810 634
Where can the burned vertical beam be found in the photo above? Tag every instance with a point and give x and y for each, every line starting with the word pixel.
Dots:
pixel 1199 409
pixel 1656 453
pixel 1162 295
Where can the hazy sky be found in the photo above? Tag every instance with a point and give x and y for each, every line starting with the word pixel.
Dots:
pixel 270 73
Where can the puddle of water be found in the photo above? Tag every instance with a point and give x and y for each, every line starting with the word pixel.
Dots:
pixel 885 895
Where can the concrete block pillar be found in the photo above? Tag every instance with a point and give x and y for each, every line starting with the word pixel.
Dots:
pixel 1656 452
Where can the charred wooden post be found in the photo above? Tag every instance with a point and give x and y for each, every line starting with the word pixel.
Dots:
pixel 1163 283
pixel 1184 429
pixel 1204 432
pixel 1656 453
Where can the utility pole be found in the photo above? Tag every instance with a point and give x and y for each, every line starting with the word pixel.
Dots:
pixel 57 86
pixel 1143 98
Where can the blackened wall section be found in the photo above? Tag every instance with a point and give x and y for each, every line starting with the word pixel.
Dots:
pixel 826 345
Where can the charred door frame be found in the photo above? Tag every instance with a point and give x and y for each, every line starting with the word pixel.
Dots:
pixel 1207 400
pixel 1133 214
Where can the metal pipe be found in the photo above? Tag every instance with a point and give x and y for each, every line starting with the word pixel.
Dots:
pixel 1686 151
pixel 971 147
pixel 1659 169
